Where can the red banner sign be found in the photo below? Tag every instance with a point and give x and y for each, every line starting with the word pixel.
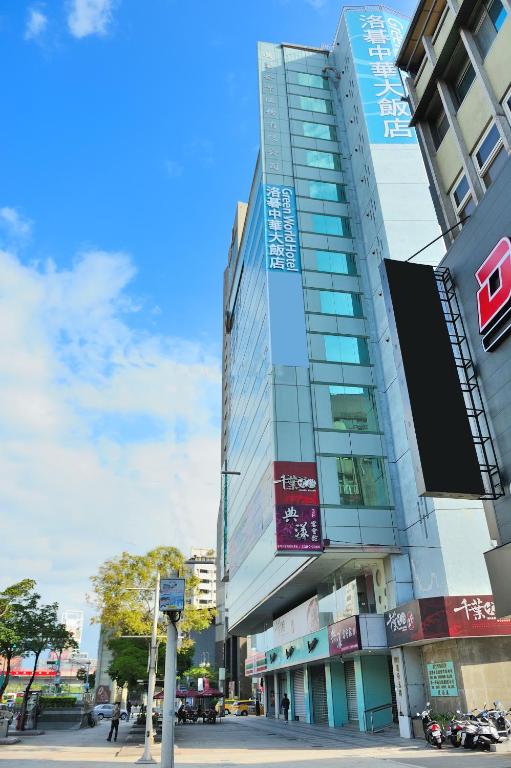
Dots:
pixel 28 673
pixel 494 294
pixel 298 519
pixel 344 636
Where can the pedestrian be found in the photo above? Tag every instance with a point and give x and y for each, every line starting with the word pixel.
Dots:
pixel 116 716
pixel 128 708
pixel 284 705
pixel 258 707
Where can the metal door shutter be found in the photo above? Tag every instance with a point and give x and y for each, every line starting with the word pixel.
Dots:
pixel 319 702
pixel 282 679
pixel 299 694
pixel 351 690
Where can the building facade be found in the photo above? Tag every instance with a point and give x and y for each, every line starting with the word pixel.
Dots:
pixel 202 564
pixel 330 544
pixel 457 61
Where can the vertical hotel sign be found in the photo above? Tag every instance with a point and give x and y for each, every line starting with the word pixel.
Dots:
pixel 298 519
pixel 281 229
pixel 375 40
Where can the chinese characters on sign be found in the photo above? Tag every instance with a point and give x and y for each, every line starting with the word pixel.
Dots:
pixel 298 519
pixel 375 40
pixel 344 636
pixel 442 679
pixel 281 228
pixel 494 295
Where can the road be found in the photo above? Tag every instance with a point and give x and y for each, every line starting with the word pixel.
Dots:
pixel 242 742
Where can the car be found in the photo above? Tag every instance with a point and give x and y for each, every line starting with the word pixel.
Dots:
pixel 245 707
pixel 106 711
pixel 228 706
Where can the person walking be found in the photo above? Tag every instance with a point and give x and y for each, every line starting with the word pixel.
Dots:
pixel 129 708
pixel 116 716
pixel 284 705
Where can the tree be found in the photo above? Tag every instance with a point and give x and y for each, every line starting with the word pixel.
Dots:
pixel 125 610
pixel 41 631
pixel 14 602
pixel 129 660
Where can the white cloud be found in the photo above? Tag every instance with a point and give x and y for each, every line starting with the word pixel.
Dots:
pixel 317 4
pixel 36 23
pixel 109 436
pixel 174 169
pixel 14 225
pixel 89 17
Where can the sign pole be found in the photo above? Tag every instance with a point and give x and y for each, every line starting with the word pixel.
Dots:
pixel 169 695
pixel 149 739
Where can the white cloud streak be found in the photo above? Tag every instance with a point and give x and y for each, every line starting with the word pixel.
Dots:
pixel 14 225
pixel 109 436
pixel 89 17
pixel 36 23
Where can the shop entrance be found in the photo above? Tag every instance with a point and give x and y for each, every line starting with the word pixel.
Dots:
pixel 319 700
pixel 299 694
pixel 351 690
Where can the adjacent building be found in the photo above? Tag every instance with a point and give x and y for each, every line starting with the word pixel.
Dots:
pixel 457 60
pixel 202 564
pixel 338 540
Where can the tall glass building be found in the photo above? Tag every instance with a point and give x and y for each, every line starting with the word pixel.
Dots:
pixel 332 555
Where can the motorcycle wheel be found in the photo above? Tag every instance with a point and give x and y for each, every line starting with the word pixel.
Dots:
pixel 439 744
pixel 455 742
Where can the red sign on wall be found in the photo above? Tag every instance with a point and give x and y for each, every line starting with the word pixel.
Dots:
pixel 474 616
pixel 298 518
pixel 344 636
pixel 494 294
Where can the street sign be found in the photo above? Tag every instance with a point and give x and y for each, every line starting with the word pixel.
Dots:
pixel 172 594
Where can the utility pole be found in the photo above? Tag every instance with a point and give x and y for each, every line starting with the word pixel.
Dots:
pixel 167 736
pixel 149 739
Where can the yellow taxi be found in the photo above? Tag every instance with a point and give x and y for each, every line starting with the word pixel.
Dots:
pixel 245 707
pixel 228 705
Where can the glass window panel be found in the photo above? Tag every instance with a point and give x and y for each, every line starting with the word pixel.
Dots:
pixel 497 14
pixel 353 408
pixel 312 81
pixel 485 34
pixel 316 159
pixel 347 349
pixel 495 167
pixel 461 191
pixel 330 225
pixel 488 145
pixel 311 104
pixel 340 303
pixel 439 128
pixel 337 262
pixel 362 481
pixel 325 190
pixel 462 86
pixel 319 131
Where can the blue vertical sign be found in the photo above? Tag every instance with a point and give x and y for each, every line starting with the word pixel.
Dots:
pixel 281 229
pixel 375 40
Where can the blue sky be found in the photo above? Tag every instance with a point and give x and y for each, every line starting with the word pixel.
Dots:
pixel 129 130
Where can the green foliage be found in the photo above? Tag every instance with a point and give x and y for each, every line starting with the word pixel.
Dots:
pixel 15 604
pixel 129 661
pixel 11 596
pixel 184 656
pixel 125 610
pixel 57 702
pixel 210 672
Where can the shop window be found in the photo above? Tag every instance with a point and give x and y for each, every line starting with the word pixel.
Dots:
pixel 347 349
pixel 311 104
pixel 340 303
pixel 337 262
pixel 330 225
pixel 316 159
pixel 319 131
pixel 490 156
pixel 462 200
pixel 311 81
pixel 325 190
pixel 353 408
pixel 490 18
pixel 362 481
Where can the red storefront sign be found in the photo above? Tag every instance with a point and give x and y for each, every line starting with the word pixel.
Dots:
pixel 434 618
pixel 494 294
pixel 298 519
pixel 28 673
pixel 344 636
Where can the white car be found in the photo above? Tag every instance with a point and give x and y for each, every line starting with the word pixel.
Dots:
pixel 106 711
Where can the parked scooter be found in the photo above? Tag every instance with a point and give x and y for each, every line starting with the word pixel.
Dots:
pixel 432 730
pixel 455 729
pixel 487 733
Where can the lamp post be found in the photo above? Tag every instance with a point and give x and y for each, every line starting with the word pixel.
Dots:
pixel 149 739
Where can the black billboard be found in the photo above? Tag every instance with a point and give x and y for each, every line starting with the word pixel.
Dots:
pixel 443 450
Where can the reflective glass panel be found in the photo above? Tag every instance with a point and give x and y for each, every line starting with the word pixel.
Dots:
pixel 312 81
pixel 316 159
pixel 330 225
pixel 340 303
pixel 319 131
pixel 311 104
pixel 347 349
pixel 337 262
pixel 362 481
pixel 353 408
pixel 325 190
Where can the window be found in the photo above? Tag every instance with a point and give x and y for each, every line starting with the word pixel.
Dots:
pixel 347 349
pixel 316 159
pixel 324 190
pixel 315 105
pixel 312 81
pixel 488 24
pixel 490 156
pixel 362 481
pixel 353 408
pixel 319 131
pixel 462 199
pixel 462 74
pixel 439 126
pixel 507 105
pixel 330 225
pixel 340 303
pixel 337 262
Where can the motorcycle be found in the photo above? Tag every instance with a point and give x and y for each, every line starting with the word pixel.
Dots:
pixel 455 729
pixel 432 731
pixel 487 733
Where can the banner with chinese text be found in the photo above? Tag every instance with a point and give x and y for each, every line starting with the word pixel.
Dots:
pixel 344 636
pixel 375 40
pixel 298 518
pixel 281 229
